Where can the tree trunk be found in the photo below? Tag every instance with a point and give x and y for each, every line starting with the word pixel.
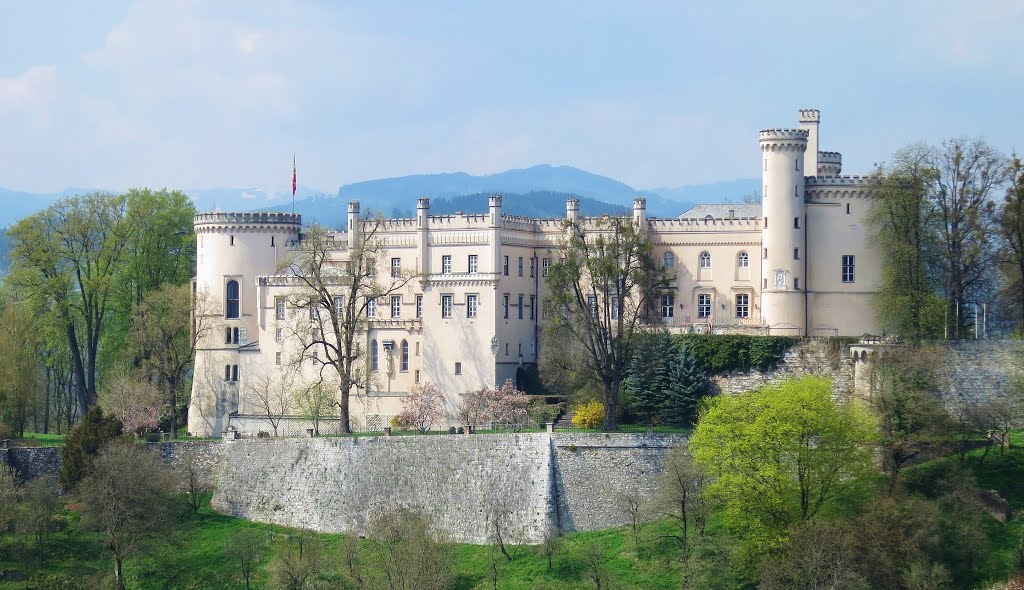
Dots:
pixel 84 403
pixel 343 413
pixel 118 579
pixel 611 406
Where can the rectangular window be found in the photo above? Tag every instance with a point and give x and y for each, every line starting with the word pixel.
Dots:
pixel 396 306
pixel 315 335
pixel 506 266
pixel 272 244
pixel 458 368
pixel 796 283
pixel 505 305
pixel 277 358
pixel 419 306
pixel 339 306
pixel 234 373
pixel 371 308
pixel 615 308
pixel 279 305
pixel 471 305
pixel 742 305
pixel 848 268
pixel 546 266
pixel 446 306
pixel 796 253
pixel 417 349
pixel 592 304
pixel 704 305
pixel 314 311
pixel 231 240
pixel 446 264
pixel 796 223
pixel 316 359
pixel 396 268
pixel 520 266
pixel 417 373
pixel 847 208
pixel 668 304
pixel 279 335
pixel 766 223
pixel 533 267
pixel 472 263
pixel 520 306
pixel 533 301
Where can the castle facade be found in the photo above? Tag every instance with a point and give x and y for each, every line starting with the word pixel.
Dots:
pixel 800 263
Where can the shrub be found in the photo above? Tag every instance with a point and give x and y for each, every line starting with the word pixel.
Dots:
pixel 83 443
pixel 722 353
pixel 588 415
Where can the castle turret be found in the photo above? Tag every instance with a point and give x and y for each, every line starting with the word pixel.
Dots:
pixel 572 210
pixel 830 164
pixel 494 226
pixel 353 222
pixel 233 249
pixel 423 234
pixel 640 213
pixel 809 120
pixel 782 301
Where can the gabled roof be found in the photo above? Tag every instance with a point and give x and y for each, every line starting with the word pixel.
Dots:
pixel 722 211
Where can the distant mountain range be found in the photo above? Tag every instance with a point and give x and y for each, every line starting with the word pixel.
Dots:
pixel 536 191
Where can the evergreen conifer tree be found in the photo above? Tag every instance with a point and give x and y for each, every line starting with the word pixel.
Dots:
pixel 648 378
pixel 686 385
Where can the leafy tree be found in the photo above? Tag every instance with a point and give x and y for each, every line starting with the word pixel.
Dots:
pixel 127 497
pixel 82 444
pixel 1011 229
pixel 686 386
pixel 315 401
pixel 600 292
pixel 778 455
pixel 66 259
pixel 338 294
pixel 681 499
pixel 246 549
pixel 911 420
pixel 166 327
pixel 903 221
pixel 19 373
pixel 405 554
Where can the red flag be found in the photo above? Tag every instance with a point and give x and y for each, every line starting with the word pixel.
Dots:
pixel 293 176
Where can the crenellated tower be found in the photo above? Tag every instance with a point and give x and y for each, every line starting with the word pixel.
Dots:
pixel 783 238
pixel 232 250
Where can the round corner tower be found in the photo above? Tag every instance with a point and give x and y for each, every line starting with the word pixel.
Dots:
pixel 782 235
pixel 233 249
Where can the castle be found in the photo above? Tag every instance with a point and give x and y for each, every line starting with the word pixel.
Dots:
pixel 801 263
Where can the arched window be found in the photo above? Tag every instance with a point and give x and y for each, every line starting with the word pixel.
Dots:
pixel 231 291
pixel 705 259
pixel 670 260
pixel 742 260
pixel 374 358
pixel 405 355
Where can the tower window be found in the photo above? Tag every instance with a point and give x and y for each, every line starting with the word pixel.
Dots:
pixel 506 266
pixel 796 283
pixel 847 208
pixel 797 162
pixel 766 223
pixel 231 293
pixel 272 244
pixel 796 223
pixel 848 268
pixel 234 373
pixel 419 306
pixel 766 252
pixel 458 368
pixel 796 253
pixel 231 240
pixel 227 372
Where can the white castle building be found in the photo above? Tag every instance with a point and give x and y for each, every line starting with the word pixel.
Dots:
pixel 801 263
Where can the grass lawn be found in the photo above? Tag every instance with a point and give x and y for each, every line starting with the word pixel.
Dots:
pixel 38 439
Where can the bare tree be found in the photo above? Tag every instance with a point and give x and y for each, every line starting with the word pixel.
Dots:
pixel 423 407
pixel 126 498
pixel 247 548
pixel 272 393
pixel 681 500
pixel 338 281
pixel 406 553
pixel 131 399
pixel 600 294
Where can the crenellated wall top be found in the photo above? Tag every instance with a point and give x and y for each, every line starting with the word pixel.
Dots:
pixel 224 218
pixel 855 180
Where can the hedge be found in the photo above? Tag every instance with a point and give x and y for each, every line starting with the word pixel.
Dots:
pixel 723 353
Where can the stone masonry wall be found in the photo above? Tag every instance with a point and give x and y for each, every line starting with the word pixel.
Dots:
pixel 594 473
pixel 811 357
pixel 338 484
pixel 977 371
pixel 33 462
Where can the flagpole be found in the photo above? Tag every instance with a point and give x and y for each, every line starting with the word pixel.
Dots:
pixel 293 183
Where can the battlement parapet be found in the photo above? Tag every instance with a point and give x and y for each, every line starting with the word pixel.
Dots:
pixel 853 180
pixel 219 218
pixel 810 115
pixel 830 158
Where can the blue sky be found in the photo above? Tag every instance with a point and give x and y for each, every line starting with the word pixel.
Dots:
pixel 196 94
